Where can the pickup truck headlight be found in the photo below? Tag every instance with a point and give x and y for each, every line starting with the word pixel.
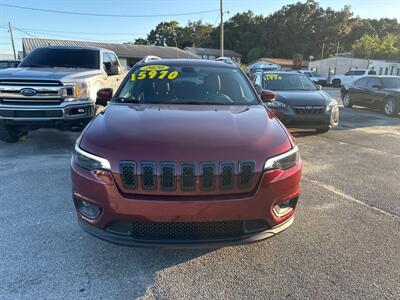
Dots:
pixel 76 91
pixel 283 161
pixel 90 161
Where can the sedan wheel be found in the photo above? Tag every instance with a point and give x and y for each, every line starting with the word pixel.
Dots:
pixel 347 100
pixel 391 107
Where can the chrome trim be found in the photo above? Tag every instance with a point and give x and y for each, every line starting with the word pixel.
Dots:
pixel 40 83
pixel 270 162
pixel 105 164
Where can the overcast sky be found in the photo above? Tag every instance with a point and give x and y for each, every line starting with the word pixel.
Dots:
pixel 112 29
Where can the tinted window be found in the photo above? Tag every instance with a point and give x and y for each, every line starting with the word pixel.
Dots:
pixel 187 85
pixel 287 82
pixel 113 58
pixel 374 82
pixel 4 64
pixel 63 58
pixel 361 82
pixel 355 73
pixel 391 83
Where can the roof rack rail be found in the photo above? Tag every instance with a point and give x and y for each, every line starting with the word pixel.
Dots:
pixel 149 58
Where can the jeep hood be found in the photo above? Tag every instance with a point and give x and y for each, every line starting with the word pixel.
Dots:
pixel 185 133
pixel 61 74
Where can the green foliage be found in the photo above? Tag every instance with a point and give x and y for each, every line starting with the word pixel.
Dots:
pixel 372 46
pixel 302 27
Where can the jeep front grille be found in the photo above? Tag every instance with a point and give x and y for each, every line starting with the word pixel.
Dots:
pixel 187 177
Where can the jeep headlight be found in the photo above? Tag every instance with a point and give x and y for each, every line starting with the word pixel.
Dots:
pixel 76 91
pixel 90 161
pixel 283 161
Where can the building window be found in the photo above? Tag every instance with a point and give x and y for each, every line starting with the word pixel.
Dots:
pixel 386 71
pixel 380 70
pixel 398 71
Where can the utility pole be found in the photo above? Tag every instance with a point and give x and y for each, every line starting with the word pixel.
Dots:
pixel 12 39
pixel 222 27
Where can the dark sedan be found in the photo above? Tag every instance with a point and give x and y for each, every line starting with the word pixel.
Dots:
pixel 298 102
pixel 382 92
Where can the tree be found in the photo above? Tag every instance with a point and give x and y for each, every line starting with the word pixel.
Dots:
pixel 372 46
pixel 166 34
pixel 141 41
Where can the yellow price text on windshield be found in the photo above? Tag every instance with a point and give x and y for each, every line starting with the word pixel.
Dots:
pixel 272 77
pixel 155 74
pixel 154 68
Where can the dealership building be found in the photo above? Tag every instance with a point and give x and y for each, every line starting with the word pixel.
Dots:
pixel 128 54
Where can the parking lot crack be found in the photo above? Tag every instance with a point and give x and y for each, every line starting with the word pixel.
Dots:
pixel 349 198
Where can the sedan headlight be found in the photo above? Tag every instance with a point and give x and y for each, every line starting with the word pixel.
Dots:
pixel 283 161
pixel 76 91
pixel 331 105
pixel 90 161
pixel 276 104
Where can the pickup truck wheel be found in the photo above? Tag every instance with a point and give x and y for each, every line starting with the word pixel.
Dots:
pixel 11 134
pixel 391 107
pixel 347 100
pixel 336 83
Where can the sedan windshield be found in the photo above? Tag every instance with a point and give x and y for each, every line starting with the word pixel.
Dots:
pixel 391 82
pixel 197 85
pixel 62 58
pixel 287 82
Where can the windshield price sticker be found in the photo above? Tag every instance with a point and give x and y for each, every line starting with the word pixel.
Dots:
pixel 272 77
pixel 155 72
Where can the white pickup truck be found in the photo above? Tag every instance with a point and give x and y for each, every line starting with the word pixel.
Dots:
pixel 349 77
pixel 55 87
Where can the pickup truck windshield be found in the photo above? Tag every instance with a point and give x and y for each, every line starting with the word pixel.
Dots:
pixel 197 85
pixel 62 58
pixel 287 82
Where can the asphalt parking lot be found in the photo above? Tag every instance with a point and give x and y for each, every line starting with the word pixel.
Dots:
pixel 344 243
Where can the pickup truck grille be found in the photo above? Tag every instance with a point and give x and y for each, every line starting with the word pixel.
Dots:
pixel 31 92
pixel 187 177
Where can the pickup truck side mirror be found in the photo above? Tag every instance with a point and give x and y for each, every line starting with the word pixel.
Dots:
pixel 111 69
pixel 318 86
pixel 267 96
pixel 103 96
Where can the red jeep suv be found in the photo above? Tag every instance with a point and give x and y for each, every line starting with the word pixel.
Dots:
pixel 185 154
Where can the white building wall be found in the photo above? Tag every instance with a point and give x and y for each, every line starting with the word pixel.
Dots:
pixel 337 65
pixel 384 67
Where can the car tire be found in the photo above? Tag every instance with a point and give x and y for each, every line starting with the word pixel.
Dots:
pixel 336 83
pixel 347 100
pixel 11 134
pixel 323 130
pixel 391 107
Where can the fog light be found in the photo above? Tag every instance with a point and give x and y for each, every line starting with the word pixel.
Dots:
pixel 87 209
pixel 284 208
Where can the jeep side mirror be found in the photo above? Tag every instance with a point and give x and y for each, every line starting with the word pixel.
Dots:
pixel 267 96
pixel 318 86
pixel 103 96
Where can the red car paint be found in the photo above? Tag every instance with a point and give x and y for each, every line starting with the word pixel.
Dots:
pixel 181 133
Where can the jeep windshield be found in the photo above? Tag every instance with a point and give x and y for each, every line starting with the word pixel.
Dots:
pixel 196 85
pixel 62 58
pixel 287 82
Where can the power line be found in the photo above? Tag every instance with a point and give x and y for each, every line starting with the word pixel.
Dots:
pixel 108 15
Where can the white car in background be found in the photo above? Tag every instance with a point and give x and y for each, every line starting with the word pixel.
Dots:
pixel 349 77
pixel 314 77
